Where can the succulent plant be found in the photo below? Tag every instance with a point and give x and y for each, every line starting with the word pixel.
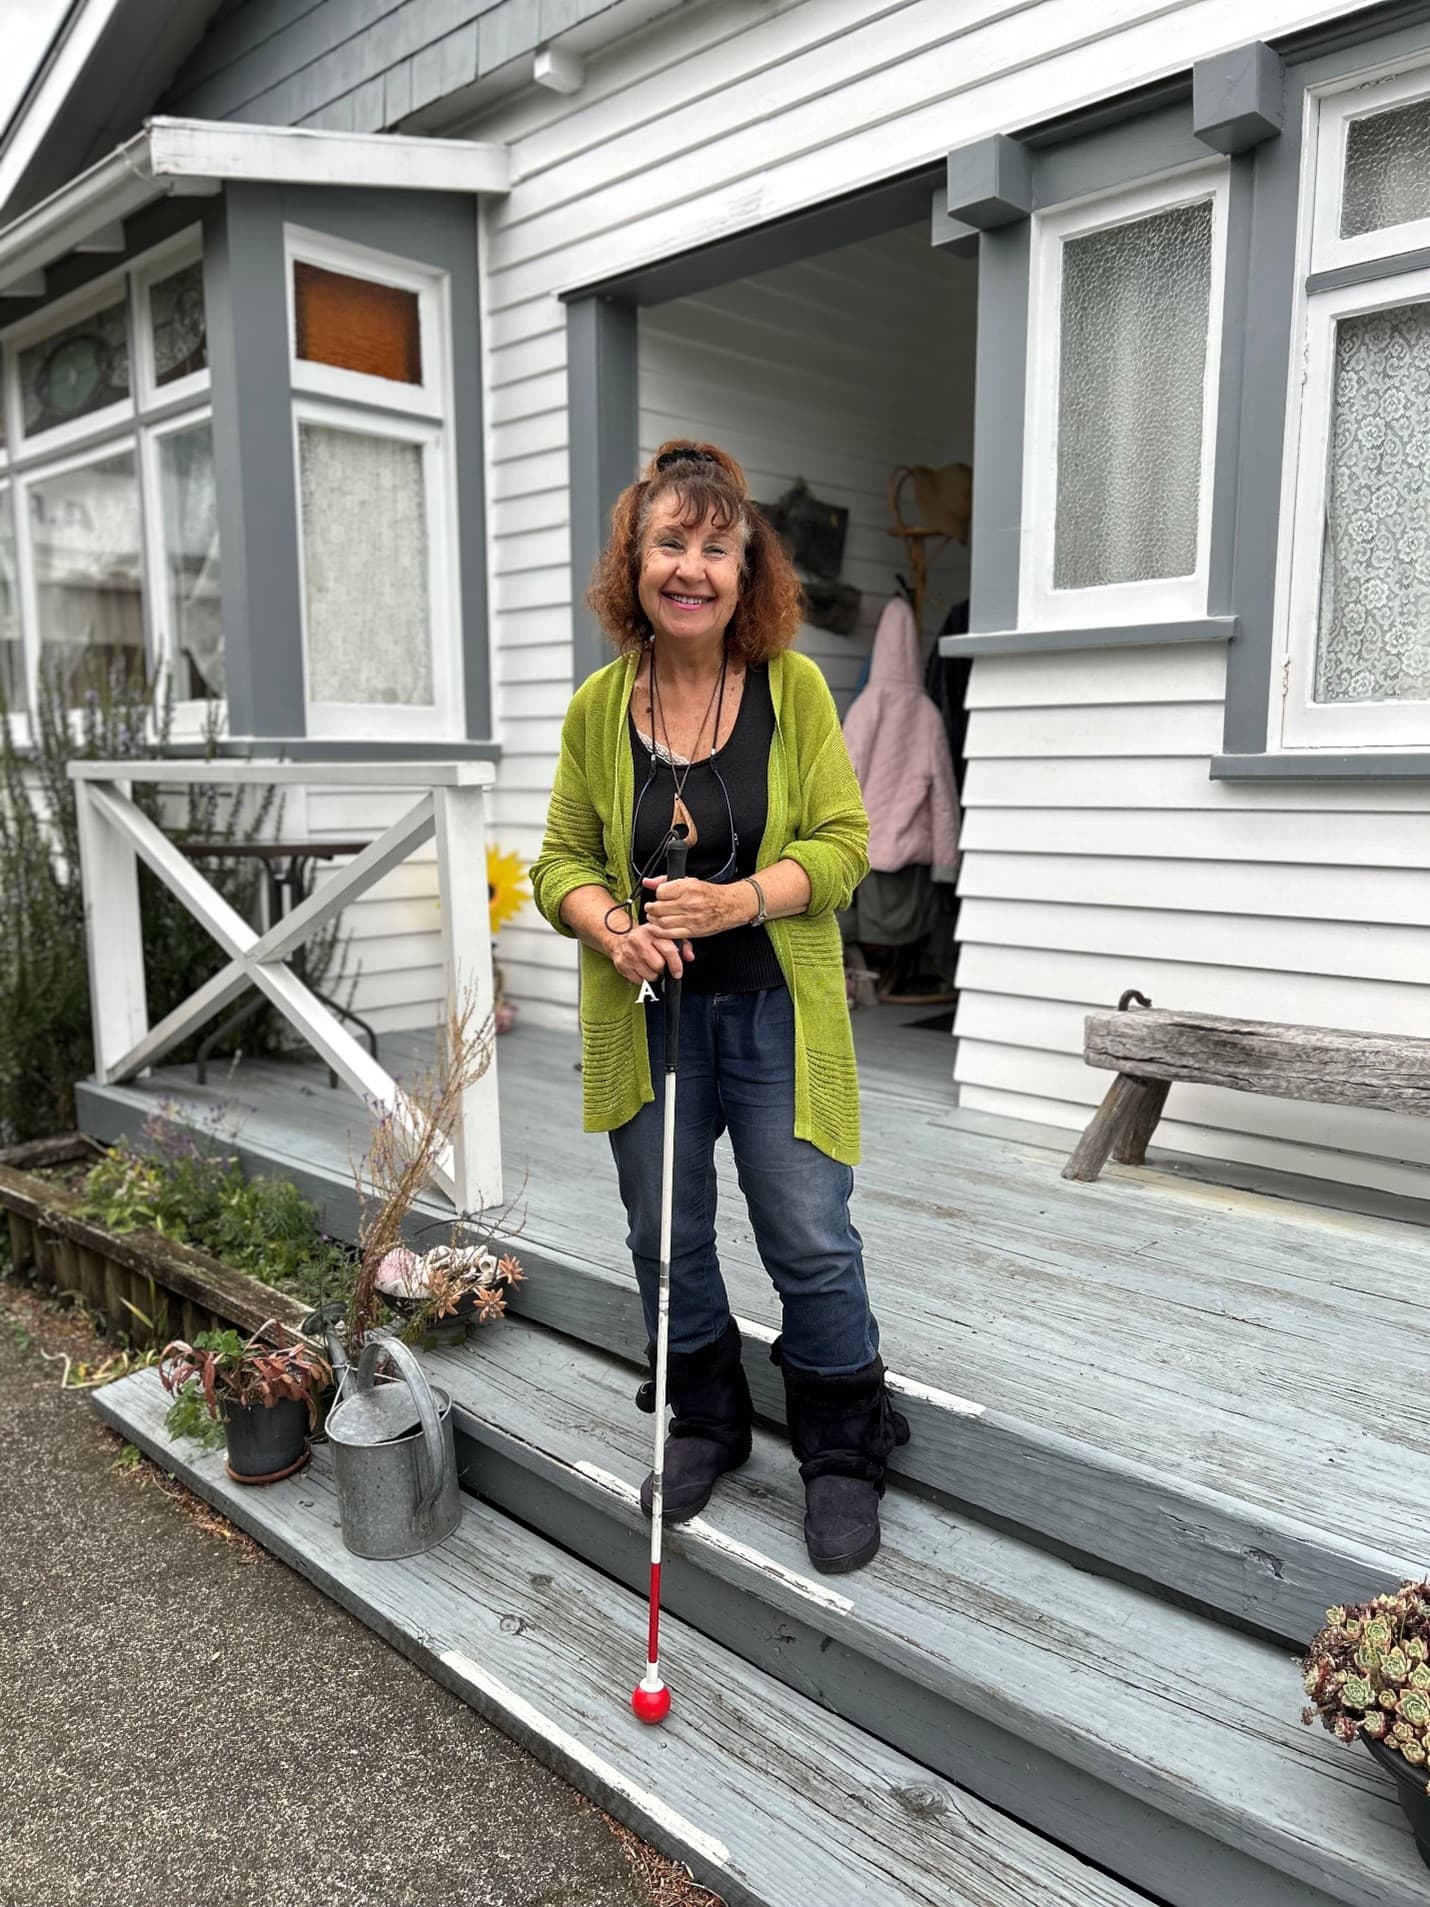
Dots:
pixel 1368 1672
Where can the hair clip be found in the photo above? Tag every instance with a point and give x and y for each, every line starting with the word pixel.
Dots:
pixel 689 455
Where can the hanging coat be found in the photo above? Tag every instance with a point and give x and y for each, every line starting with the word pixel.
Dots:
pixel 899 747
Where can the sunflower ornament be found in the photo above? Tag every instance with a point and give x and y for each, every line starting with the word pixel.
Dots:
pixel 507 894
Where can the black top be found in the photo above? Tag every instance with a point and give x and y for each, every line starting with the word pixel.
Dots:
pixel 726 792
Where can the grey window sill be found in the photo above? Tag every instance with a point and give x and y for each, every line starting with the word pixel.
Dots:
pixel 1315 764
pixel 305 748
pixel 1137 635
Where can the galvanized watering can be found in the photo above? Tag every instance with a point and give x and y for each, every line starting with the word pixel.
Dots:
pixel 394 1458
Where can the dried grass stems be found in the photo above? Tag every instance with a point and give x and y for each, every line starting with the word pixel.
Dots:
pixel 407 1146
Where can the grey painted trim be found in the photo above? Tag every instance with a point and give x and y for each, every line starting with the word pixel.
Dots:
pixel 1139 635
pixel 278 748
pixel 1367 270
pixel 990 183
pixel 1378 764
pixel 601 337
pixel 246 289
pixel 785 241
pixel 1226 460
pixel 245 292
pixel 1238 98
pixel 1155 141
pixel 950 235
pixel 998 421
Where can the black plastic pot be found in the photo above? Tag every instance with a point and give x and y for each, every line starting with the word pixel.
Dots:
pixel 442 1333
pixel 265 1441
pixel 1410 1791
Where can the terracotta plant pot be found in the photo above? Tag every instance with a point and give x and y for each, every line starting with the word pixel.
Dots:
pixel 1410 1792
pixel 265 1441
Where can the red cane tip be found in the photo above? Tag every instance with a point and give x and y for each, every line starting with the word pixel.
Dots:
pixel 650 1704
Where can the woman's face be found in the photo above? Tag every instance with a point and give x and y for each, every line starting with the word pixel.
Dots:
pixel 689 578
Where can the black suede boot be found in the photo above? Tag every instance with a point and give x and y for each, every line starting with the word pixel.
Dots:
pixel 843 1430
pixel 710 1426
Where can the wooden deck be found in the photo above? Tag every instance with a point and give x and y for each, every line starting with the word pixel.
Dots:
pixel 1242 1345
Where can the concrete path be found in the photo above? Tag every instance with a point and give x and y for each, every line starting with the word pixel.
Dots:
pixel 186 1720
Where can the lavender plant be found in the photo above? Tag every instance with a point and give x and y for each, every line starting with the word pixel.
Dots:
pixel 1368 1672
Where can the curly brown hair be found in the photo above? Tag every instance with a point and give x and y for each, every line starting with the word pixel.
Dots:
pixel 708 483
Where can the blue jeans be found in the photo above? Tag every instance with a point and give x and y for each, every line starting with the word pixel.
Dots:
pixel 737 1074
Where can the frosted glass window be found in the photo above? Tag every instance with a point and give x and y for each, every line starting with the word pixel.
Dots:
pixel 1132 370
pixel 188 509
pixel 365 554
pixel 178 324
pixel 84 534
pixel 1374 625
pixel 1387 179
pixel 70 373
pixel 12 655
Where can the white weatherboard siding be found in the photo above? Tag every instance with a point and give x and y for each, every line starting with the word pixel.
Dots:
pixel 1098 855
pixel 728 115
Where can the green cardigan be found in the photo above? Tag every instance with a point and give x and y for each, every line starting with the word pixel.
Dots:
pixel 815 816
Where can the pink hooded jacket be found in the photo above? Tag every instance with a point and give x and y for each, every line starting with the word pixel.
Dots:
pixel 899 747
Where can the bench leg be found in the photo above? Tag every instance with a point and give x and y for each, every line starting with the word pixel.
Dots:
pixel 1120 1128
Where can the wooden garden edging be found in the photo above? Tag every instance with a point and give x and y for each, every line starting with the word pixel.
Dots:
pixel 147 1288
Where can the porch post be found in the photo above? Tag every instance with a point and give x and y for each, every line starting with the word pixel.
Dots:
pixel 604 439
pixel 113 933
pixel 467 965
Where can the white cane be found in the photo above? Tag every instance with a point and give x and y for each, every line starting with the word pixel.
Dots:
pixel 651 1698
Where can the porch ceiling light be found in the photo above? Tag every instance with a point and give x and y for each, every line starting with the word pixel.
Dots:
pixel 197 157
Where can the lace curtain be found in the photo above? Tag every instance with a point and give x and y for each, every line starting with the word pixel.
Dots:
pixel 1374 634
pixel 1135 300
pixel 365 563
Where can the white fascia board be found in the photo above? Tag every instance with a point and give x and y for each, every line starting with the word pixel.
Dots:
pixel 64 62
pixel 291 155
pixel 197 157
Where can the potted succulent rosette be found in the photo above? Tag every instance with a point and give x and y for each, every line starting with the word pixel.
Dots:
pixel 263 1391
pixel 1368 1676
pixel 442 1292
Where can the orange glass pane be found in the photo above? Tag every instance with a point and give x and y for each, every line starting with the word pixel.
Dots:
pixel 357 325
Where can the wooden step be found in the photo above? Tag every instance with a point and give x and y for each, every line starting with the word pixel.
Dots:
pixel 1273 1572
pixel 1160 1744
pixel 771 1801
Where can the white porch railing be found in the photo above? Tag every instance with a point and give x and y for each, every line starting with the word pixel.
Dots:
pixel 115 836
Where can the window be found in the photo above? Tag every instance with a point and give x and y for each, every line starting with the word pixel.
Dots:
pixel 376 493
pixel 1355 596
pixel 1124 337
pixel 108 525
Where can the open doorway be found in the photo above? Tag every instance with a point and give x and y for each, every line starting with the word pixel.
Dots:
pixel 836 372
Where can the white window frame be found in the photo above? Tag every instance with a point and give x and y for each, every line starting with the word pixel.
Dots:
pixel 1159 599
pixel 430 398
pixel 444 718
pixel 161 263
pixel 190 716
pixel 1333 112
pixel 57 317
pixel 1305 723
pixel 27 480
pixel 19 718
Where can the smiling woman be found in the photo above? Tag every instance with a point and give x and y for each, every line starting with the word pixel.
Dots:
pixel 709 724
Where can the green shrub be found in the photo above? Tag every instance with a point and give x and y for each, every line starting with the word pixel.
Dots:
pixel 182 1183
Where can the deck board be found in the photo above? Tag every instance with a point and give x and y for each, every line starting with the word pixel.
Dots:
pixel 1234 1341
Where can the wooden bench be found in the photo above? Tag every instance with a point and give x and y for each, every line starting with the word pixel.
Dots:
pixel 1148 1050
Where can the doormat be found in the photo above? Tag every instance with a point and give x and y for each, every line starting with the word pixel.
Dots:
pixel 935 1023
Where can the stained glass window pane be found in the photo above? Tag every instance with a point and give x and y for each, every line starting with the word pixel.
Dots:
pixel 1374 626
pixel 1387 179
pixel 176 315
pixel 75 371
pixel 189 514
pixel 357 325
pixel 1132 367
pixel 84 532
pixel 12 655
pixel 365 561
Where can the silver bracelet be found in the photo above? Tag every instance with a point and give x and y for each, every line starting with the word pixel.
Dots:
pixel 763 915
